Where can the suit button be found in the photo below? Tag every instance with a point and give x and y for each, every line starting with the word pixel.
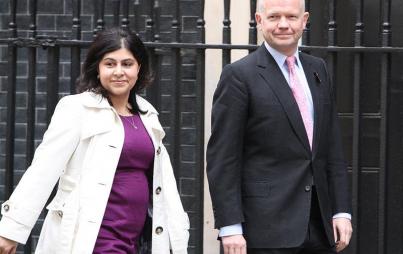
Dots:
pixel 159 230
pixel 158 190
pixel 159 150
pixel 6 208
pixel 307 188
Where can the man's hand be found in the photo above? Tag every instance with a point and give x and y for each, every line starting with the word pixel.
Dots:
pixel 342 230
pixel 7 246
pixel 234 244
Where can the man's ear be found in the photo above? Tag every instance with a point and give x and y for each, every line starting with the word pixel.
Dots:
pixel 305 17
pixel 258 18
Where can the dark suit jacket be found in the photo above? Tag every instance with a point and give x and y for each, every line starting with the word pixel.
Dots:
pixel 259 164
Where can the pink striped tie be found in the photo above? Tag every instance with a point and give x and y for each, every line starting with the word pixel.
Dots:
pixel 300 98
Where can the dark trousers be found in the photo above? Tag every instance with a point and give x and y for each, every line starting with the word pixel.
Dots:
pixel 315 242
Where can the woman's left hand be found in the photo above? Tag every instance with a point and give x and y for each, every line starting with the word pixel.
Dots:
pixel 7 246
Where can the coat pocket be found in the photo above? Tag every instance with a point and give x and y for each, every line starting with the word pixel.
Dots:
pixel 63 195
pixel 64 210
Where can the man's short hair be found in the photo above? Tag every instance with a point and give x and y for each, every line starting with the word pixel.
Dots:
pixel 260 5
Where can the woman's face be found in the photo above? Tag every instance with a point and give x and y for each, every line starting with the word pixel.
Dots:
pixel 118 72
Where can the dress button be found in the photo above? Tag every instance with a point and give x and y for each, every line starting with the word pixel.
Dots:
pixel 307 188
pixel 159 230
pixel 159 150
pixel 60 213
pixel 6 208
pixel 158 190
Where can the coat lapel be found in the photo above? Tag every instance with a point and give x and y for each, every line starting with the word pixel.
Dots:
pixel 96 120
pixel 273 76
pixel 313 86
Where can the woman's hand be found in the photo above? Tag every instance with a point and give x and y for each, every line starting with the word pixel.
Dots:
pixel 7 246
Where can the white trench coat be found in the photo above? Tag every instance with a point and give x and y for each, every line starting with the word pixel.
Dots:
pixel 81 149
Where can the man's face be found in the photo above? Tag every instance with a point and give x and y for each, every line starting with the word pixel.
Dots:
pixel 282 23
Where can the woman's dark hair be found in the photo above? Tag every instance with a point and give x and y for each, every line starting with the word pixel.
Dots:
pixel 107 41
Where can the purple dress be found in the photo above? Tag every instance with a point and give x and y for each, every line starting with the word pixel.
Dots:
pixel 126 210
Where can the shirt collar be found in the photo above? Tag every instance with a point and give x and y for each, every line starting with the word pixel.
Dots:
pixel 279 57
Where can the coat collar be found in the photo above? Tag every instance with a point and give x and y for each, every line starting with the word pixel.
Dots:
pixel 93 100
pixel 99 125
pixel 150 120
pixel 271 73
pixel 145 105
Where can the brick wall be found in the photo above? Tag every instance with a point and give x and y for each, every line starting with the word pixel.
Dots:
pixel 54 17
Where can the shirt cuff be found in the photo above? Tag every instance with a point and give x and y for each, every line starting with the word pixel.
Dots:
pixel 342 215
pixel 235 229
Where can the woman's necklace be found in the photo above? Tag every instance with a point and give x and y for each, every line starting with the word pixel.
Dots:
pixel 130 120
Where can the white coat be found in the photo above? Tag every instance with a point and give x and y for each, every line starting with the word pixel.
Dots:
pixel 81 149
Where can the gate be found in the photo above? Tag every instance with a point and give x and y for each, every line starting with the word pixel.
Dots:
pixel 42 43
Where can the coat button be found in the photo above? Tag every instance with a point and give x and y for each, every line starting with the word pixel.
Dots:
pixel 307 188
pixel 6 208
pixel 159 150
pixel 158 190
pixel 159 230
pixel 60 213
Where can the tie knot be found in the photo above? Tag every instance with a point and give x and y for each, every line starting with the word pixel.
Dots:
pixel 290 62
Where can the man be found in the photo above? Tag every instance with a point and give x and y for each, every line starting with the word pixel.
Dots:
pixel 276 173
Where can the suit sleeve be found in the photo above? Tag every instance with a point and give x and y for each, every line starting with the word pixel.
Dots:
pixel 336 165
pixel 225 148
pixel 23 208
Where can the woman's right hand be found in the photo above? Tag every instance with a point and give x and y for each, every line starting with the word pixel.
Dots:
pixel 7 246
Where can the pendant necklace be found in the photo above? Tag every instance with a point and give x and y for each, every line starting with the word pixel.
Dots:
pixel 130 121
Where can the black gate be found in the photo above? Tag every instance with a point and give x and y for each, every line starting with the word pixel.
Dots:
pixel 42 43
pixel 364 53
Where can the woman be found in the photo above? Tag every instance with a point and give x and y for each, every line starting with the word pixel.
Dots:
pixel 101 144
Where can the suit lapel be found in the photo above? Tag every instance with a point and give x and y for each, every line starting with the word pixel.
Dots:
pixel 273 76
pixel 313 86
